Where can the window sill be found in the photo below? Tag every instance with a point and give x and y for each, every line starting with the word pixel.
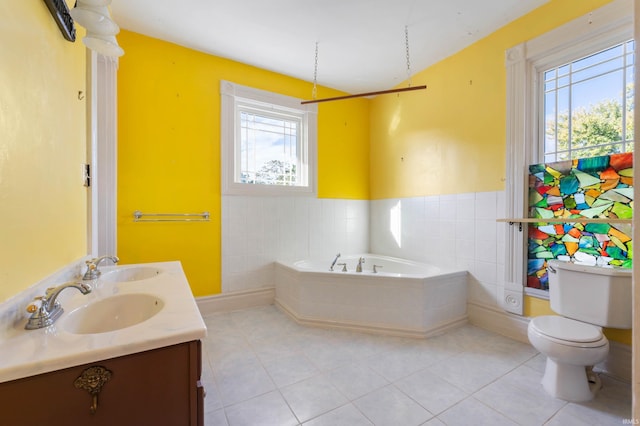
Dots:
pixel 537 293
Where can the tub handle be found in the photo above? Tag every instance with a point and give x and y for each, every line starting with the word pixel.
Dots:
pixel 375 271
pixel 344 266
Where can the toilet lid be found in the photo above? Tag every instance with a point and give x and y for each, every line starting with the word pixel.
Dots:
pixel 567 329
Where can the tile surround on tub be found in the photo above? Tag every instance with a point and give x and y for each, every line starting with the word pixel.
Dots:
pixel 453 230
pixel 256 231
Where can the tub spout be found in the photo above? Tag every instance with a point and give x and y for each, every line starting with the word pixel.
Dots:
pixel 360 262
pixel 334 262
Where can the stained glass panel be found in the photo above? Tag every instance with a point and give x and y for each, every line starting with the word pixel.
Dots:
pixel 596 187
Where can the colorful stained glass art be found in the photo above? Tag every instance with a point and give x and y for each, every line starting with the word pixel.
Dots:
pixel 598 187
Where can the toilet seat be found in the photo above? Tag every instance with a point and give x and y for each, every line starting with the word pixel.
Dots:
pixel 569 332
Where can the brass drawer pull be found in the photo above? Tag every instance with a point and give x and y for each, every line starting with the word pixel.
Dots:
pixel 92 379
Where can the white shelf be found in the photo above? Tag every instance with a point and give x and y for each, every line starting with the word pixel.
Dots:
pixel 564 220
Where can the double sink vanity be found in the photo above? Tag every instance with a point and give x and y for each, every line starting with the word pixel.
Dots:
pixel 127 352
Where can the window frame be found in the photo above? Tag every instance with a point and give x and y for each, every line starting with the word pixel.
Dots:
pixel 599 29
pixel 542 146
pixel 235 98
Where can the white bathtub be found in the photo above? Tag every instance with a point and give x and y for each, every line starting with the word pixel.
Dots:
pixel 403 298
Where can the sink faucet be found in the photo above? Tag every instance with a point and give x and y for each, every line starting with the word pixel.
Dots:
pixel 334 262
pixel 92 266
pixel 360 262
pixel 50 310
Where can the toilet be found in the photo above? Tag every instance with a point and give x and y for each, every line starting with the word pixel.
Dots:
pixel 586 298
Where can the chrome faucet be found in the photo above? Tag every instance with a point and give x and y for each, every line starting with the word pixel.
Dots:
pixel 50 310
pixel 360 262
pixel 334 262
pixel 92 266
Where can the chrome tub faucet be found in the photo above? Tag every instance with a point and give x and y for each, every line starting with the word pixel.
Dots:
pixel 92 266
pixel 334 262
pixel 50 310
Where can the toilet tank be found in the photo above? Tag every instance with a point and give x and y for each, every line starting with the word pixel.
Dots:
pixel 594 294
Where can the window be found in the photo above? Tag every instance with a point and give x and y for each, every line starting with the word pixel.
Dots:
pixel 268 142
pixel 588 105
pixel 546 82
pixel 587 116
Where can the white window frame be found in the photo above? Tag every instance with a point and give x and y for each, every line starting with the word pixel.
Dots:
pixel 569 81
pixel 233 98
pixel 596 31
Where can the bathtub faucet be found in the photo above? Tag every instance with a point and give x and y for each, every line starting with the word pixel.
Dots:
pixel 360 262
pixel 334 262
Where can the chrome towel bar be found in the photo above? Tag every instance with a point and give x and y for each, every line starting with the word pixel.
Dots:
pixel 138 216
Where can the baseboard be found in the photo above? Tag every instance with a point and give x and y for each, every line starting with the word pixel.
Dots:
pixel 499 321
pixel 236 300
pixel 369 328
pixel 618 363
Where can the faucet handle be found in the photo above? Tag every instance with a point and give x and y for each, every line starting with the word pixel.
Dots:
pixel 32 307
pixel 92 270
pixel 375 270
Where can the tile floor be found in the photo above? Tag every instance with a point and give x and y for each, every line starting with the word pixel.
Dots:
pixel 261 368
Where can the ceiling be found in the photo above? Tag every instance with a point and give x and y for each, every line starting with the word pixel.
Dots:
pixel 361 43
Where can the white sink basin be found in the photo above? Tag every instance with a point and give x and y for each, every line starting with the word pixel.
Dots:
pixel 134 273
pixel 113 313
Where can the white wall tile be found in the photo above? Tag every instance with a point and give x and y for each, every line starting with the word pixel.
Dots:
pixel 256 231
pixel 486 205
pixel 486 272
pixel 465 206
pixel 456 230
pixel 432 207
pixel 448 207
pixel 465 249
pixel 465 229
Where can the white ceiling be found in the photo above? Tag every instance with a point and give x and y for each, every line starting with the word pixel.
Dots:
pixel 361 43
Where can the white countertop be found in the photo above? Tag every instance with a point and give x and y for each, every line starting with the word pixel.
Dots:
pixel 26 353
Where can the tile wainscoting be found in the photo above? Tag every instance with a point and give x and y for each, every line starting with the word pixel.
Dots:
pixel 458 230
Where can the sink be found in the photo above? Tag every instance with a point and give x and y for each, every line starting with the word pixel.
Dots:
pixel 134 273
pixel 113 313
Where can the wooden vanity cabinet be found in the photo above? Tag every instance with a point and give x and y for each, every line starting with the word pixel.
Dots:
pixel 156 387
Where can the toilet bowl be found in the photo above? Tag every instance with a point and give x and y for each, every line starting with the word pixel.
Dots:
pixel 586 298
pixel 572 348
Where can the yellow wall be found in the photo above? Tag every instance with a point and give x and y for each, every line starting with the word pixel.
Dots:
pixel 450 138
pixel 169 150
pixel 42 147
pixel 534 307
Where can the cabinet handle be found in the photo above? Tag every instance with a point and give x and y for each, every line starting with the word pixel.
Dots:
pixel 92 379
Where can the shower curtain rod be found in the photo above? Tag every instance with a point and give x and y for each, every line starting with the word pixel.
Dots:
pixel 361 95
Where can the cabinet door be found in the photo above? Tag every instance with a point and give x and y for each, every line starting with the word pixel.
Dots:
pixel 147 388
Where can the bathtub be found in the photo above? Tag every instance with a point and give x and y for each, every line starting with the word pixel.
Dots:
pixel 402 298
